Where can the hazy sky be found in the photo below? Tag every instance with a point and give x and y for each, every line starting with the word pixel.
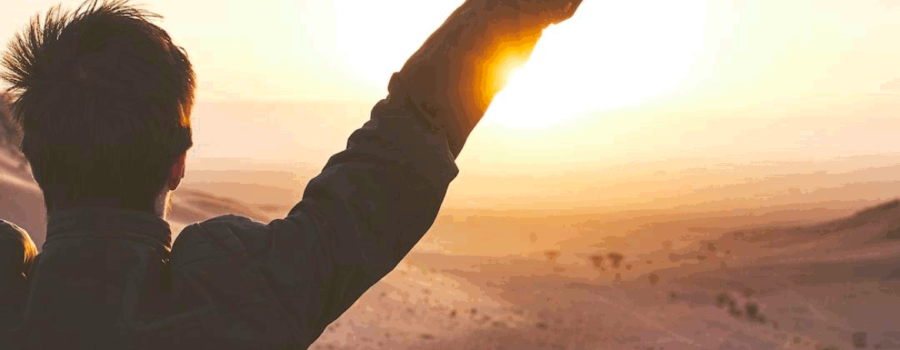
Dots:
pixel 622 80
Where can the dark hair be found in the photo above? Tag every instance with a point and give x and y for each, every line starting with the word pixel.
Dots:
pixel 103 97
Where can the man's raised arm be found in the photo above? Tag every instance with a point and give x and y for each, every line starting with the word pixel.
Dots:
pixel 374 201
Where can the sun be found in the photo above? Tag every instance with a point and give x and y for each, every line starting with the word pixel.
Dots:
pixel 610 54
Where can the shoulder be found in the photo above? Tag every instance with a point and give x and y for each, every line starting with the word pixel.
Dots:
pixel 216 266
pixel 226 236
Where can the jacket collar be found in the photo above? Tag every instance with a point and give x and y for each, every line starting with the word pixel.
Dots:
pixel 106 222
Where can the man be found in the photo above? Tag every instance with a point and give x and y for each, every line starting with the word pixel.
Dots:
pixel 104 99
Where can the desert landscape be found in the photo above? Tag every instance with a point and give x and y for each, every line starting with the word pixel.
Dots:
pixel 808 259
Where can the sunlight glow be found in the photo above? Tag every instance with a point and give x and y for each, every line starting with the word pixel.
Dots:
pixel 610 54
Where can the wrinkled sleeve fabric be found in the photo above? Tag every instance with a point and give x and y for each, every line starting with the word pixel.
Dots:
pixel 366 210
pixel 283 282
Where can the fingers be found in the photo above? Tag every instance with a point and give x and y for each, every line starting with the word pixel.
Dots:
pixel 548 11
pixel 570 8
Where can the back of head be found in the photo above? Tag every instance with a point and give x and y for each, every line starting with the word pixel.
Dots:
pixel 17 253
pixel 103 98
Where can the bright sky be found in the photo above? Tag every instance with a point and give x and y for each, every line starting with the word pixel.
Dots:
pixel 623 79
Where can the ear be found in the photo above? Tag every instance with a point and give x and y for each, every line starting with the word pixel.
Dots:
pixel 177 173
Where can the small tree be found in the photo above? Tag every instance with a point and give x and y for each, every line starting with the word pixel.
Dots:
pixel 654 279
pixel 551 255
pixel 752 310
pixel 723 299
pixel 616 259
pixel 597 260
pixel 860 340
pixel 733 309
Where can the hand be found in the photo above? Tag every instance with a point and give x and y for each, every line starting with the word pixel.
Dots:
pixel 455 75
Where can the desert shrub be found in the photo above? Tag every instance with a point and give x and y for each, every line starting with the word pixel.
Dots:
pixel 723 299
pixel 597 260
pixel 733 309
pixel 551 255
pixel 752 310
pixel 616 259
pixel 654 279
pixel 860 340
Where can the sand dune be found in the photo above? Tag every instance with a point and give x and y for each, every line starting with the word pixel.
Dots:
pixel 801 287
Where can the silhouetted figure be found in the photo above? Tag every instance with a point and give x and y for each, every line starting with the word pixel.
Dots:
pixel 104 98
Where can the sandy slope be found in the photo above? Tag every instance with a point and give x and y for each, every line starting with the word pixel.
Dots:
pixel 814 287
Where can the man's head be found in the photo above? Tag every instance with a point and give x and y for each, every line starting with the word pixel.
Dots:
pixel 104 100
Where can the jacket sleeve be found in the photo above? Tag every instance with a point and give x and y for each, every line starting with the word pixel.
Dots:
pixel 376 199
pixel 366 210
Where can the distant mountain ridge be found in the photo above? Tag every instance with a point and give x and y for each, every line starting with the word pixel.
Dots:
pixel 10 134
